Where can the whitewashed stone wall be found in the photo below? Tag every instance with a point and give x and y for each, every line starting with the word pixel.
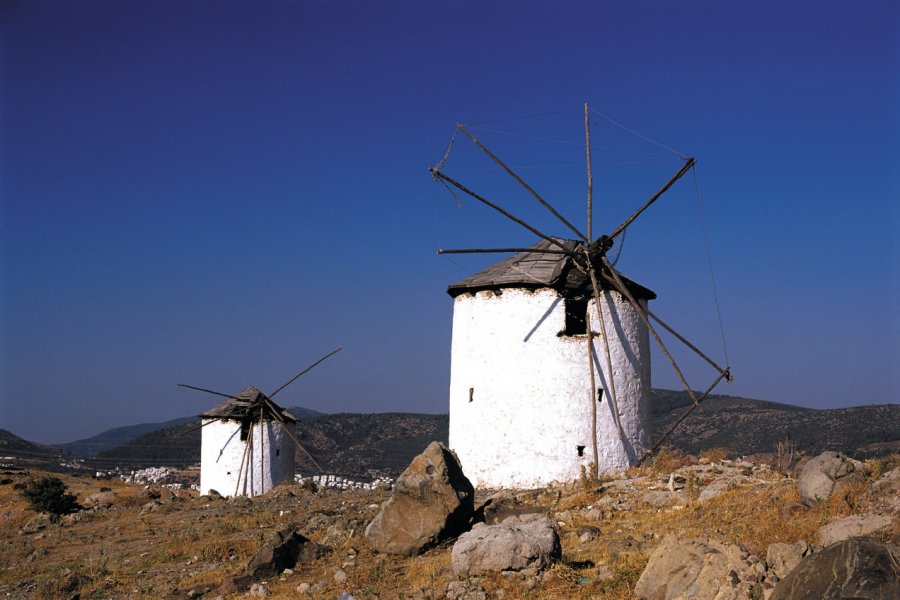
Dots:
pixel 270 459
pixel 520 400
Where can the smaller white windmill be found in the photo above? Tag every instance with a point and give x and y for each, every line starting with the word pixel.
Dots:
pixel 247 446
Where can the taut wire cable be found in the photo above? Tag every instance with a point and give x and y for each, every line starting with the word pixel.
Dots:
pixel 712 274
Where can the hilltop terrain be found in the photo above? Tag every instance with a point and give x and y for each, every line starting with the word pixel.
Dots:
pixel 135 541
pixel 365 446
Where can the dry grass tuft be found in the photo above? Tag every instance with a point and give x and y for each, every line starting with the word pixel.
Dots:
pixel 715 454
pixel 666 461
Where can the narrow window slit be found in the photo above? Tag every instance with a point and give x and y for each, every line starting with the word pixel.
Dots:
pixel 580 450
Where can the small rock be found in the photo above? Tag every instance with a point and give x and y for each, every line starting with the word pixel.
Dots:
pixel 782 558
pixel 340 576
pixel 258 589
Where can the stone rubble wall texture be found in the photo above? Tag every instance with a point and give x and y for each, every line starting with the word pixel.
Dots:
pixel 520 400
pixel 270 458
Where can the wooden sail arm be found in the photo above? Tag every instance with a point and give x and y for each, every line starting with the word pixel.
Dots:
pixel 690 162
pixel 503 165
pixel 294 378
pixel 438 175
pixel 726 374
pixel 501 250
pixel 613 277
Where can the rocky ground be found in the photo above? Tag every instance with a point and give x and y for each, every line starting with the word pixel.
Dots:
pixel 718 528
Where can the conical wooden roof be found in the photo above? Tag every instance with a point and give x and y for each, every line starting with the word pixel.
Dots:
pixel 249 403
pixel 535 270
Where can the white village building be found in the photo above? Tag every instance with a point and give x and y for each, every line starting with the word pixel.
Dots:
pixel 245 449
pixel 520 383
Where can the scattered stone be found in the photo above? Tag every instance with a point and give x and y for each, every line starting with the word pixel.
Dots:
pixel 340 576
pixel 470 589
pixel 303 588
pixel 432 501
pixel 506 504
pixel 317 521
pixel 151 506
pixel 782 558
pixel 852 526
pixel 100 500
pixel 527 543
pixel 345 596
pixel 286 548
pixel 676 482
pixel 587 533
pixel 700 569
pixel 858 568
pixel 258 589
pixel 822 474
pixel 37 523
pixel 657 498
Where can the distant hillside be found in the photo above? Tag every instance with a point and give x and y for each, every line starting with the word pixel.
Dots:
pixel 369 444
pixel 360 445
pixel 384 443
pixel 29 454
pixel 112 438
pixel 752 426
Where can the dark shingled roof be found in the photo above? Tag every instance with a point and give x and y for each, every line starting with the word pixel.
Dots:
pixel 247 404
pixel 535 270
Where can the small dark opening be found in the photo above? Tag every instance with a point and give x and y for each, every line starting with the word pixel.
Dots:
pixel 277 452
pixel 471 394
pixel 245 429
pixel 600 395
pixel 580 450
pixel 576 311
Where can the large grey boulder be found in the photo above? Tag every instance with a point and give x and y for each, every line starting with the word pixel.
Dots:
pixel 861 569
pixel 824 473
pixel 526 543
pixel 432 501
pixel 853 526
pixel 700 569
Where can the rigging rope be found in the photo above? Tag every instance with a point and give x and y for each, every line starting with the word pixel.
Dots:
pixel 712 274
pixel 643 137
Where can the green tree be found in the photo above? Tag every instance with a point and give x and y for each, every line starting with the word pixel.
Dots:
pixel 49 495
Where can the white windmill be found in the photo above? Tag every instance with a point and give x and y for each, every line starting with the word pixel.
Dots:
pixel 550 357
pixel 247 445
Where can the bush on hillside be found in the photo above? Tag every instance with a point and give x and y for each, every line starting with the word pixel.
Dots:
pixel 49 495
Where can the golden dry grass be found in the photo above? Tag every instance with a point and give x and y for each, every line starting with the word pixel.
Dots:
pixel 194 541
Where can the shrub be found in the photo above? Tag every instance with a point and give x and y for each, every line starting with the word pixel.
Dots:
pixel 49 495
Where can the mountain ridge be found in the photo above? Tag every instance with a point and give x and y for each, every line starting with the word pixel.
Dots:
pixel 374 444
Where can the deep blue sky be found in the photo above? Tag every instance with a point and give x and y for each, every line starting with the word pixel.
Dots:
pixel 218 193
